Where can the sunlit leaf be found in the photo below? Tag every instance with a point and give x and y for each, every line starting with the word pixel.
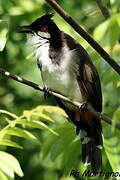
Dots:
pixel 2 134
pixel 45 112
pixel 41 116
pixel 7 142
pixel 53 109
pixel 8 113
pixel 27 7
pixel 4 176
pixel 21 133
pixel 15 11
pixel 6 168
pixel 116 118
pixel 114 33
pixel 117 18
pixel 112 149
pixel 118 84
pixel 3 33
pixel 10 164
pixel 27 114
pixel 100 30
pixel 36 124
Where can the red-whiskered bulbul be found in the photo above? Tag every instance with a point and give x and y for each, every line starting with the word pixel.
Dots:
pixel 66 68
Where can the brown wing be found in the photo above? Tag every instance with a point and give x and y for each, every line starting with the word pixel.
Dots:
pixel 87 75
pixel 89 83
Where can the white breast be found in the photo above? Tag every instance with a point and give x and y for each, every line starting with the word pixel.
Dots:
pixel 59 78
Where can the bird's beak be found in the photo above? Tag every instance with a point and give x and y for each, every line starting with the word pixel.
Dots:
pixel 24 29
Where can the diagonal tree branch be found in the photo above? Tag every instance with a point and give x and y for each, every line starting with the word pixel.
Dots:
pixel 85 35
pixel 103 9
pixel 40 88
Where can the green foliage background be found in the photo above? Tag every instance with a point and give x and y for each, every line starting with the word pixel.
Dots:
pixel 36 140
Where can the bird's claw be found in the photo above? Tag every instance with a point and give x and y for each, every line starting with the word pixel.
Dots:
pixel 46 92
pixel 83 107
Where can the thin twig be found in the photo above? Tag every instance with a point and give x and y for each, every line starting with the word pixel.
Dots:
pixel 85 35
pixel 103 9
pixel 40 88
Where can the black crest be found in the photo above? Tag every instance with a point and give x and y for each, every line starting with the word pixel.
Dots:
pixel 45 19
pixel 48 16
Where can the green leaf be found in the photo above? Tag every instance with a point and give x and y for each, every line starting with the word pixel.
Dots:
pixel 3 176
pixel 100 30
pixel 2 134
pixel 118 84
pixel 3 33
pixel 22 133
pixel 117 18
pixel 6 169
pixel 9 164
pixel 116 118
pixel 45 112
pixel 55 144
pixel 114 33
pixel 112 149
pixel 36 124
pixel 70 156
pixel 65 139
pixel 46 147
pixel 8 113
pixel 53 109
pixel 6 142
pixel 65 143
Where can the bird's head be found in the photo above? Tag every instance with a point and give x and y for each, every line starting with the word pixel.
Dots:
pixel 44 27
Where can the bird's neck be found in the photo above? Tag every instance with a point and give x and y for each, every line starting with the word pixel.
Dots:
pixel 56 41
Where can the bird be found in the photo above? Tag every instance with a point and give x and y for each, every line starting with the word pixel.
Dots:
pixel 67 68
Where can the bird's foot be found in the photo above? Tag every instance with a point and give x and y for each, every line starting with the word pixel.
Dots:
pixel 84 107
pixel 46 92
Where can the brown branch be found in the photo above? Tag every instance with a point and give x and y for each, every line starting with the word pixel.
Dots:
pixel 85 35
pixel 40 88
pixel 103 9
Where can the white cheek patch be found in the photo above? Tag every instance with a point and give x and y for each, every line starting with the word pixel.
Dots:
pixel 32 39
pixel 44 34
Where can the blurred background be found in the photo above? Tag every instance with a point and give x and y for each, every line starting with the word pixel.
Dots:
pixel 55 156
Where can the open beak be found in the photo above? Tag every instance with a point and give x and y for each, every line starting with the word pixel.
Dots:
pixel 24 29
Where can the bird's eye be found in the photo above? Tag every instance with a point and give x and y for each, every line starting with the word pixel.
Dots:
pixel 44 29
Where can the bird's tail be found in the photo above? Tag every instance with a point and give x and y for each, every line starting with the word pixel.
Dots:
pixel 91 139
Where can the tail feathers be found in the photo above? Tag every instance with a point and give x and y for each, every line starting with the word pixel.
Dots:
pixel 91 149
pixel 96 161
pixel 86 153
